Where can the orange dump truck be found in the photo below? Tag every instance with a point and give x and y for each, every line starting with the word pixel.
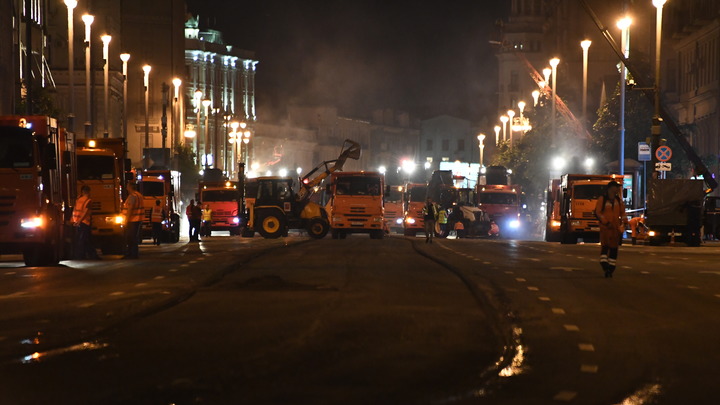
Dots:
pixel 356 204
pixel 394 209
pixel 161 185
pixel 224 197
pixel 413 204
pixel 37 189
pixel 578 194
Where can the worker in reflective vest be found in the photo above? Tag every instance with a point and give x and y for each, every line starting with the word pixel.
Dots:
pixel 133 211
pixel 82 220
pixel 157 216
pixel 610 211
pixel 206 228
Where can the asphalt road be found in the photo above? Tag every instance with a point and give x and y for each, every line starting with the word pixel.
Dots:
pixel 358 321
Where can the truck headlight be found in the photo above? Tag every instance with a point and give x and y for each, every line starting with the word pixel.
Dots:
pixel 117 220
pixel 236 220
pixel 514 224
pixel 555 224
pixel 31 223
pixel 399 221
pixel 651 233
pixel 410 221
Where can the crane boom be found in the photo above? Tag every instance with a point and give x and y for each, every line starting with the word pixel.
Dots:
pixel 350 150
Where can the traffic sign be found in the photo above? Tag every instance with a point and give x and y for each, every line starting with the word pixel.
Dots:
pixel 644 154
pixel 663 153
pixel 663 166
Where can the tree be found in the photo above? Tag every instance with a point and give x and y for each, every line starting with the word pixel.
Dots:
pixel 187 168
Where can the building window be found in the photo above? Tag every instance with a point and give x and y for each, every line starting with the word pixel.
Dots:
pixel 445 145
pixel 514 85
pixel 461 145
pixel 428 144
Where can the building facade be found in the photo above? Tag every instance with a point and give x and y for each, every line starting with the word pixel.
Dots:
pixel 447 139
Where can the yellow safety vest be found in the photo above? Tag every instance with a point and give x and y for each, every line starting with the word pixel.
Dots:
pixel 81 210
pixel 133 207
pixel 157 214
pixel 207 215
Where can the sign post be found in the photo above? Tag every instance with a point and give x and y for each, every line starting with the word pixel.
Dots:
pixel 663 154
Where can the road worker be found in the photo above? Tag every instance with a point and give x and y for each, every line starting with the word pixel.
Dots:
pixel 206 228
pixel 638 228
pixel 430 215
pixel 610 210
pixel 82 220
pixel 133 212
pixel 157 216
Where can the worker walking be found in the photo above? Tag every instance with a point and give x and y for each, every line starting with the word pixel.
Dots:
pixel 442 221
pixel 430 213
pixel 610 210
pixel 133 211
pixel 194 215
pixel 157 216
pixel 82 220
pixel 206 229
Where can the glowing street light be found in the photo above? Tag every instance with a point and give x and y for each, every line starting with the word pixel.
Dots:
pixel 125 57
pixel 624 25
pixel 554 62
pixel 497 134
pixel 656 129
pixel 206 104
pixel 546 73
pixel 382 169
pixel 88 20
pixel 71 4
pixel 481 146
pixel 511 115
pixel 585 45
pixel 106 69
pixel 176 116
pixel 504 119
pixel 146 84
pixel 408 166
pixel 536 97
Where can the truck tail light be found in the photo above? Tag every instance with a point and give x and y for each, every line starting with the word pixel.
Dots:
pixel 32 223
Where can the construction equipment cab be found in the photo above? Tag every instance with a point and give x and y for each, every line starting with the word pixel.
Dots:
pixel 356 204
pixel 278 207
pixel 579 194
pixel 37 189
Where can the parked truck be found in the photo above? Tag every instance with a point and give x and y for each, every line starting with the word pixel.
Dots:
pixel 413 204
pixel 674 211
pixel 101 166
pixel 552 211
pixel 37 189
pixel 161 185
pixel 356 204
pixel 225 199
pixel 394 209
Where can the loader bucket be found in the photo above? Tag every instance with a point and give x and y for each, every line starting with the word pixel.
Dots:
pixel 351 150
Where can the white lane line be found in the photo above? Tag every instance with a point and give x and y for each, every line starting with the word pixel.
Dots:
pixel 645 272
pixel 86 305
pixel 580 257
pixel 193 261
pixel 159 278
pixel 140 284
pixel 116 293
pixel 710 272
pixel 558 311
pixel 586 347
pixel 184 265
pixel 627 267
pixel 13 295
pixel 533 289
pixel 565 396
pixel 589 368
pixel 166 293
pixel 717 295
pixel 693 287
pixel 487 263
pixel 571 328
pixel 546 299
pixel 509 272
pixel 173 270
pixel 567 269
pixel 520 280
pixel 10 273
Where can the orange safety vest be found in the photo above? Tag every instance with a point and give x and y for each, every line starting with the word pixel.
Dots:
pixel 156 216
pixel 81 212
pixel 133 207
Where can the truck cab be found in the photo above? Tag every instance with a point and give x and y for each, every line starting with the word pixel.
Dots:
pixel 579 194
pixel 356 204
pixel 394 209
pixel 413 204
pixel 160 185
pixel 224 199
pixel 504 205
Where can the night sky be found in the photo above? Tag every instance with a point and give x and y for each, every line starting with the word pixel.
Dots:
pixel 363 55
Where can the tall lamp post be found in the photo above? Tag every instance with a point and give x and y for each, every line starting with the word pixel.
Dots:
pixel 497 134
pixel 146 84
pixel 481 146
pixel 176 116
pixel 585 45
pixel 88 20
pixel 71 4
pixel 125 57
pixel 198 104
pixel 655 138
pixel 554 64
pixel 624 25
pixel 206 104
pixel 536 97
pixel 246 141
pixel 504 119
pixel 511 115
pixel 106 58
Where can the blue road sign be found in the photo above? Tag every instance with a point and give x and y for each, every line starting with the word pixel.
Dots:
pixel 663 153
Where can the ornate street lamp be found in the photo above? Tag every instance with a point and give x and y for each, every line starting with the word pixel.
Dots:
pixel 88 20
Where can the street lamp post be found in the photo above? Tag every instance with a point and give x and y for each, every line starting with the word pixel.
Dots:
pixel 536 97
pixel 624 25
pixel 554 63
pixel 146 84
pixel 511 115
pixel 125 57
pixel 206 104
pixel 497 134
pixel 176 116
pixel 88 20
pixel 655 133
pixel 246 141
pixel 106 69
pixel 481 146
pixel 585 45
pixel 504 119
pixel 198 104
pixel 71 4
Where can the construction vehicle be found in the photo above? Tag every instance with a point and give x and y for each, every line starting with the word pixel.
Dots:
pixel 224 198
pixel 278 208
pixel 37 189
pixel 394 209
pixel 441 188
pixel 674 211
pixel 101 166
pixel 502 201
pixel 251 190
pixel 356 204
pixel 160 185
pixel 552 211
pixel 413 204
pixel 578 195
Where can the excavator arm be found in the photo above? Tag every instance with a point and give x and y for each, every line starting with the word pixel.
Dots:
pixel 350 150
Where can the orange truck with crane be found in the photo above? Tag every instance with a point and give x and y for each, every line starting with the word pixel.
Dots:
pixel 225 199
pixel 413 204
pixel 356 204
pixel 37 189
pixel 101 166
pixel 161 185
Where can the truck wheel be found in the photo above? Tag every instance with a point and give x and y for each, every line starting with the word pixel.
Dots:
pixel 41 254
pixel 272 225
pixel 317 228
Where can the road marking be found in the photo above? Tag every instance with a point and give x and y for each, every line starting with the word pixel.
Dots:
pixel 184 265
pixel 627 267
pixel 533 289
pixel 173 270
pixel 544 299
pixel 10 273
pixel 166 293
pixel 571 328
pixel 520 280
pixel 710 272
pixel 140 284
pixel 693 287
pixel 487 263
pixel 589 368
pixel 117 293
pixel 644 272
pixel 13 295
pixel 558 311
pixel 565 396
pixel 159 278
pixel 567 269
pixel 586 347
pixel 86 305
pixel 509 272
pixel 580 257
pixel 717 295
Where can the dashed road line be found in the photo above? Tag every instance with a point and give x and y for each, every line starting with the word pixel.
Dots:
pixel 117 293
pixel 692 287
pixel 571 328
pixel 565 396
pixel 520 280
pixel 717 295
pixel 10 273
pixel 13 295
pixel 184 265
pixel 645 272
pixel 509 272
pixel 558 311
pixel 546 299
pixel 159 278
pixel 86 305
pixel 172 270
pixel 586 347
pixel 533 289
pixel 141 284
pixel 589 368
